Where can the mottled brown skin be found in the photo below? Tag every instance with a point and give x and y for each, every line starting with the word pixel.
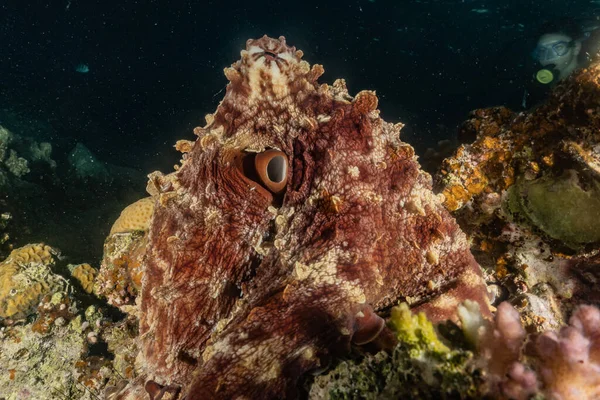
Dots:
pixel 244 291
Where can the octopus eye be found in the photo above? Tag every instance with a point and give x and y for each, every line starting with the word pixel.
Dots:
pixel 272 169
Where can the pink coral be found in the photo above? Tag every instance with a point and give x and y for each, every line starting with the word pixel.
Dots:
pixel 569 361
pixel 500 344
pixel 565 364
pixel 520 383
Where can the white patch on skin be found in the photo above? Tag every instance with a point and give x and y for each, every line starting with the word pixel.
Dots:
pixel 279 79
pixel 287 57
pixel 325 272
pixel 253 50
pixel 254 79
pixel 353 171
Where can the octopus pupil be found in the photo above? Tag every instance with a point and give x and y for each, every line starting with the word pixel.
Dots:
pixel 276 169
pixel 268 53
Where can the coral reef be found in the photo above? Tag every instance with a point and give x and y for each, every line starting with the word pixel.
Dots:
pixel 482 359
pixel 569 360
pixel 40 365
pixel 17 152
pixel 295 223
pixel 526 191
pixel 56 357
pixel 36 176
pixel 295 216
pixel 560 365
pixel 5 242
pixel 54 341
pixel 25 278
pixel 421 366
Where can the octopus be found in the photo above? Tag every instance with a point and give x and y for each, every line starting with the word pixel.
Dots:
pixel 296 219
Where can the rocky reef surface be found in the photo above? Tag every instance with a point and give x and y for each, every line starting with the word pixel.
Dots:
pixel 299 250
pixel 526 192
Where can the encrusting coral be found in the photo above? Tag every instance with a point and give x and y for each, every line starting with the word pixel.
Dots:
pixel 120 275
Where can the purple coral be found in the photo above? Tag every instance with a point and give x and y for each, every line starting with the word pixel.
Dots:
pixel 520 382
pixel 500 345
pixel 565 365
pixel 569 361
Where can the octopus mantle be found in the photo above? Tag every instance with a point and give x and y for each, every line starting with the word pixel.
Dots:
pixel 295 214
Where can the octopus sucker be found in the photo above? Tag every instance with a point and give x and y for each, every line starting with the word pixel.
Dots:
pixel 284 242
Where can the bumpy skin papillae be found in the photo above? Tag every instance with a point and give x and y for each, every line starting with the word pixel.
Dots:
pixel 249 290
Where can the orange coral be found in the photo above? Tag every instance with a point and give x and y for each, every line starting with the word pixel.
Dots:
pixel 25 277
pixel 135 217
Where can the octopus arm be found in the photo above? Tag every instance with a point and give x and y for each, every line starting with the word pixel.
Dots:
pixel 263 357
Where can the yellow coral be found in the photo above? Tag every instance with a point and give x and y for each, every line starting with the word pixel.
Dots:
pixel 33 253
pixel 135 217
pixel 86 275
pixel 26 276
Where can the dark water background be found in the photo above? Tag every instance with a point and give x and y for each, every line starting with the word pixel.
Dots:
pixel 156 66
